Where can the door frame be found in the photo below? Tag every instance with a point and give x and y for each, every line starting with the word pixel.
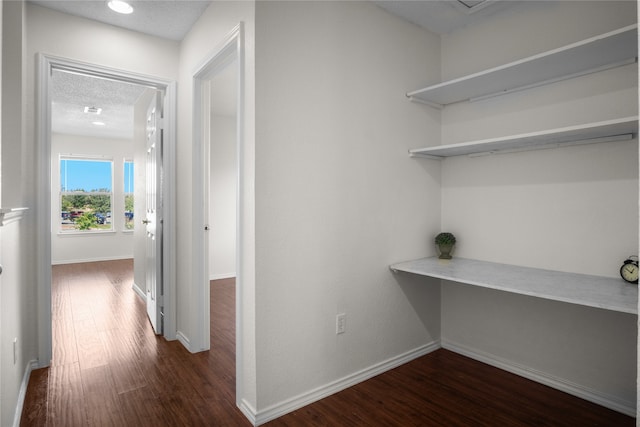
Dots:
pixel 231 48
pixel 45 65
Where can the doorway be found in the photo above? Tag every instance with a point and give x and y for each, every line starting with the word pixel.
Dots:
pixel 96 149
pixel 47 67
pixel 218 182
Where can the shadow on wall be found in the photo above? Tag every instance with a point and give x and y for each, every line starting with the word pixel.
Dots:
pixel 423 293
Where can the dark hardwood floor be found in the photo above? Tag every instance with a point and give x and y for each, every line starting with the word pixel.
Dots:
pixel 109 369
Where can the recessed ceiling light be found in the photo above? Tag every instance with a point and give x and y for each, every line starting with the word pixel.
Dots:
pixel 93 110
pixel 98 123
pixel 120 6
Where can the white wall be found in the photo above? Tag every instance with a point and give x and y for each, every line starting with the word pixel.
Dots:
pixel 337 197
pixel 84 247
pixel 571 209
pixel 18 280
pixel 222 193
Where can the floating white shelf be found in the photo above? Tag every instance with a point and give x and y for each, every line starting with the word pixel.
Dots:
pixel 9 215
pixel 606 131
pixel 592 291
pixel 612 49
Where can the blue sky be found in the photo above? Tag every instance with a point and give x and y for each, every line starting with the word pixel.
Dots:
pixel 91 175
pixel 128 177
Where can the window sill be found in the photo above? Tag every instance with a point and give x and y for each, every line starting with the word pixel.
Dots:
pixel 85 233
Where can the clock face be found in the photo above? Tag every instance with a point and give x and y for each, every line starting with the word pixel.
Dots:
pixel 629 272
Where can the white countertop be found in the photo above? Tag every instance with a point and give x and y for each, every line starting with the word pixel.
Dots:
pixel 593 291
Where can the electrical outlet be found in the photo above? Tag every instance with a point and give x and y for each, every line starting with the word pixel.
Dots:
pixel 341 323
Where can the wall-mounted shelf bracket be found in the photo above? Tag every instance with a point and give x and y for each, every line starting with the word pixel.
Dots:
pixel 425 102
pixel 425 156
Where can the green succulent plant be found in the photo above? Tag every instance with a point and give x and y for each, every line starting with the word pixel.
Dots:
pixel 445 239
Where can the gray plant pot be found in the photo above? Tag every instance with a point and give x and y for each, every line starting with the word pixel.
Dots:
pixel 445 251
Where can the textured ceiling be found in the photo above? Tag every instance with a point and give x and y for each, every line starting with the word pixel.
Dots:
pixel 166 19
pixel 71 93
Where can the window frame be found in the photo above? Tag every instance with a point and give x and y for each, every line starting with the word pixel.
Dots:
pixel 125 228
pixel 62 193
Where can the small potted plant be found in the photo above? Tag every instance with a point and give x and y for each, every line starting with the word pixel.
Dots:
pixel 445 242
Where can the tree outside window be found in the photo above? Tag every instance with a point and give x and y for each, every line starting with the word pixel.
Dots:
pixel 86 196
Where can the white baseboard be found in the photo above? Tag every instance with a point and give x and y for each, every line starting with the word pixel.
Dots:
pixel 22 394
pixel 222 276
pixel 311 396
pixel 248 411
pixel 138 290
pixel 595 396
pixel 184 340
pixel 78 261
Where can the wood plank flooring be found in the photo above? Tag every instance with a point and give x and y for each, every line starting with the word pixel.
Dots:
pixel 109 369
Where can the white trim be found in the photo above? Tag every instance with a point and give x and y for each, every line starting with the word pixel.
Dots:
pixel 229 50
pixel 45 64
pixel 221 276
pixel 248 411
pixel 138 290
pixel 75 233
pixel 231 47
pixel 43 209
pixel 184 340
pixel 9 215
pixel 350 380
pixel 170 115
pixel 97 259
pixel 22 394
pixel 586 393
pixel 297 402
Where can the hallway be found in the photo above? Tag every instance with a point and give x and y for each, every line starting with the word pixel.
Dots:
pixel 109 368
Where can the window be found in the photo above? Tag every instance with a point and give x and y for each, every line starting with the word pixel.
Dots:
pixel 129 187
pixel 86 195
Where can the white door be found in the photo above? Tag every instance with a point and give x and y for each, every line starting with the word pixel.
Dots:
pixel 153 217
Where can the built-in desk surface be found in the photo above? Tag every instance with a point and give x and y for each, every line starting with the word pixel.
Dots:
pixel 593 291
